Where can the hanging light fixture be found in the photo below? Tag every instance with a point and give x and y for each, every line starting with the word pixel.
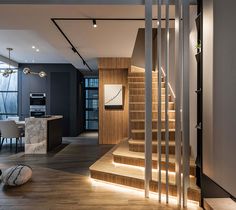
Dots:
pixel 9 70
pixel 28 71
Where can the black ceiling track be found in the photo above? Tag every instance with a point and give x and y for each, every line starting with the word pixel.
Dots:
pixel 86 19
pixel 72 46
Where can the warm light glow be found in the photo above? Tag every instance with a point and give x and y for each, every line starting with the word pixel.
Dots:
pixel 138 192
pixel 33 47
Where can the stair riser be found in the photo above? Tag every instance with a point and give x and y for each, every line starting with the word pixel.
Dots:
pixel 140 79
pixel 141 125
pixel 142 86
pixel 141 91
pixel 141 115
pixel 139 184
pixel 141 148
pixel 139 107
pixel 141 136
pixel 141 98
pixel 141 163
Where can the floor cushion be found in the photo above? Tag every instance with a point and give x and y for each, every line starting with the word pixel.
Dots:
pixel 16 175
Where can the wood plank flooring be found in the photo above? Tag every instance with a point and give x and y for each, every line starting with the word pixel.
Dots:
pixel 61 181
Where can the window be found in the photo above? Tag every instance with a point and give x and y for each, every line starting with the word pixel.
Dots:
pixel 8 94
pixel 91 104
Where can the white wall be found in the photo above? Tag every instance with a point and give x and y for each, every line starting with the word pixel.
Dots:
pixel 219 85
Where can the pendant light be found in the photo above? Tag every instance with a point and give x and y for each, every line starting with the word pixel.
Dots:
pixel 6 73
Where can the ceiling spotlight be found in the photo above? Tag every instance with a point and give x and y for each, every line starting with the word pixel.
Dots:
pixel 33 47
pixel 94 23
pixel 37 50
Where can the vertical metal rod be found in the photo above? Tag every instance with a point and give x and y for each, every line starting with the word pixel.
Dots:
pixel 178 86
pixel 186 144
pixel 148 95
pixel 167 100
pixel 159 97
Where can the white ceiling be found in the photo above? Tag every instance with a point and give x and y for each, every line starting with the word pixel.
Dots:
pixel 22 26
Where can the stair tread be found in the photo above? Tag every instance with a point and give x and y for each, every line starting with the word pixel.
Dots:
pixel 106 165
pixel 142 142
pixel 219 203
pixel 153 120
pixel 170 102
pixel 123 150
pixel 152 110
pixel 153 130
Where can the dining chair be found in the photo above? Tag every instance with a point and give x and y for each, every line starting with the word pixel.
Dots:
pixel 9 130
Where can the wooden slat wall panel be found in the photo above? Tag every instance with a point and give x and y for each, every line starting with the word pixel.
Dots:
pixel 113 124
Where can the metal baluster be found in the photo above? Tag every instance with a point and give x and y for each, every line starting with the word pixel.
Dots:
pixel 148 95
pixel 167 100
pixel 178 86
pixel 159 97
pixel 186 144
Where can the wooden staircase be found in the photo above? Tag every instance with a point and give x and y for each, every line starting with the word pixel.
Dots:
pixel 124 164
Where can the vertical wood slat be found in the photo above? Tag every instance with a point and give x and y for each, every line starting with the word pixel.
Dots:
pixel 148 95
pixel 167 99
pixel 178 86
pixel 159 97
pixel 186 143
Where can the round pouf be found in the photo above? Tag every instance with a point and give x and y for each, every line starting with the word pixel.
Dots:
pixel 16 175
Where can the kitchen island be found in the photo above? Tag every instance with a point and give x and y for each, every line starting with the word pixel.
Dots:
pixel 42 134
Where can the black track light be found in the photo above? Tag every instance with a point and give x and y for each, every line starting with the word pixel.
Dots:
pixel 94 23
pixel 84 62
pixel 73 49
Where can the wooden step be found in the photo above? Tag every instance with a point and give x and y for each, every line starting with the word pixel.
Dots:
pixel 141 85
pixel 139 146
pixel 140 124
pixel 141 91
pixel 141 98
pixel 138 104
pixel 140 114
pixel 219 204
pixel 104 169
pixel 123 155
pixel 140 79
pixel 139 134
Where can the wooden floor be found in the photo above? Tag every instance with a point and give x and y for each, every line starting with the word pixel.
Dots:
pixel 61 181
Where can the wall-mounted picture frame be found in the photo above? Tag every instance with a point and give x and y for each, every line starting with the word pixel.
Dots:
pixel 113 96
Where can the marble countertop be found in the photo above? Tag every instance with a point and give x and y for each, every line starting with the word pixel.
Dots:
pixel 53 117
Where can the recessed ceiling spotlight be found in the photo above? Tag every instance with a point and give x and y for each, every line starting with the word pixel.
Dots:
pixel 37 50
pixel 94 23
pixel 33 47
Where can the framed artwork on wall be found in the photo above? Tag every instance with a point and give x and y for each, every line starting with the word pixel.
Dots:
pixel 113 96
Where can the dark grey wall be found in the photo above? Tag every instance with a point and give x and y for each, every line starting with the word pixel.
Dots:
pixel 63 86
